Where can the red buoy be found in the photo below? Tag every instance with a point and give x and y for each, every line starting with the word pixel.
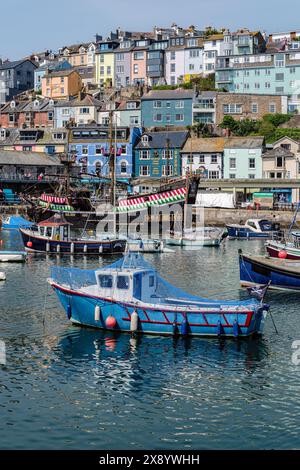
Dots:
pixel 29 244
pixel 282 254
pixel 110 321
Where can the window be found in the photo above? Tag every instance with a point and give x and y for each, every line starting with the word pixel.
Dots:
pixel 62 91
pixel 138 55
pixel 62 79
pixel 85 150
pixel 279 162
pixel 279 77
pixel 167 154
pixel 214 175
pixel 84 110
pixel 279 89
pixel 292 70
pixel 135 68
pixel 120 56
pixel 232 163
pixel 120 68
pixel 214 159
pixel 123 282
pixel 98 150
pixel 231 176
pixel 173 55
pixel 123 167
pixel 101 58
pixel 232 108
pixel 179 104
pixel 105 281
pixel 27 148
pixel 144 170
pixel 157 104
pixel 167 170
pixel 108 70
pixel 191 67
pixel 131 105
pixel 101 70
pixel 50 116
pixel 251 176
pixel 252 163
pixel 279 60
pixel 173 68
pixel 202 159
pixel 268 85
pixel 133 120
pixel 179 117
pixel 144 154
pixel 272 108
pixel 157 117
pixel 268 72
pixel 254 108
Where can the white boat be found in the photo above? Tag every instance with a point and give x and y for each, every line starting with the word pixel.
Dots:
pixel 147 246
pixel 12 256
pixel 206 236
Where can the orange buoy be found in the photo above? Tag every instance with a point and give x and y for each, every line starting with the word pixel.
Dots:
pixel 110 321
pixel 282 254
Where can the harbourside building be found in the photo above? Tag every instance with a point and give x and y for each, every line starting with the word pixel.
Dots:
pixel 28 166
pixel 61 84
pixel 157 154
pixel 203 156
pixel 44 68
pixel 44 141
pixel 105 63
pixel 243 157
pixel 167 108
pixel 92 147
pixel 77 111
pixel 204 107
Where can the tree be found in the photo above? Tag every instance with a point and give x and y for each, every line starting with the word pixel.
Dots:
pixel 277 119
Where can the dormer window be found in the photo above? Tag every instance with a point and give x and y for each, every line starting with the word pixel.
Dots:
pixel 131 105
pixel 145 139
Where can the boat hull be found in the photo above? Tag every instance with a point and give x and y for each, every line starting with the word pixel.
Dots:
pixel 40 244
pixel 274 249
pixel 12 257
pixel 244 232
pixel 80 309
pixel 259 271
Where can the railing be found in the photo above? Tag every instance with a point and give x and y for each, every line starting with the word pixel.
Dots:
pixel 26 178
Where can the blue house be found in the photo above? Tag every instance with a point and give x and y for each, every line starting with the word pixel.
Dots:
pixel 91 144
pixel 157 154
pixel 161 108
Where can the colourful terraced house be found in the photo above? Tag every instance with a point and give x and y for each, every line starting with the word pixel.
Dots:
pixel 105 63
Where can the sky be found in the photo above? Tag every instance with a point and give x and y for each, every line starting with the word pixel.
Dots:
pixel 35 25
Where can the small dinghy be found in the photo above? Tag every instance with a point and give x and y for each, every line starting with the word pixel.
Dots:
pixel 130 296
pixel 12 256
pixel 205 236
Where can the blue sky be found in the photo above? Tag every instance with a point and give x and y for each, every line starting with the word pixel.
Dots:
pixel 35 25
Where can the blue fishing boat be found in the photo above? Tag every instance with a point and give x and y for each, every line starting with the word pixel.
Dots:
pixel 281 274
pixel 130 296
pixel 14 222
pixel 254 228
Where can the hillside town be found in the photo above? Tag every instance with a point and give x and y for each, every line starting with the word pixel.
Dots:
pixel 221 104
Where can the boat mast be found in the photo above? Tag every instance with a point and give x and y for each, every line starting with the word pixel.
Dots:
pixel 112 160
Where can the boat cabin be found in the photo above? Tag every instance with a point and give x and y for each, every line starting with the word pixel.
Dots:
pixel 55 228
pixel 127 284
pixel 260 225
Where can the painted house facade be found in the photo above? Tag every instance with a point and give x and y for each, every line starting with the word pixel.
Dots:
pixel 122 67
pixel 91 144
pixel 105 63
pixel 156 63
pixel 61 84
pixel 203 156
pixel 271 74
pixel 167 108
pixel 30 113
pixel 45 141
pixel 139 62
pixel 157 154
pixel 16 77
pixel 243 157
pixel 43 69
pixel 80 110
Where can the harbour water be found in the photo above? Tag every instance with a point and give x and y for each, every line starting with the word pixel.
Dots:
pixel 65 387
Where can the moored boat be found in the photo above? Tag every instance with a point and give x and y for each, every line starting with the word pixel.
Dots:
pixel 12 256
pixel 54 236
pixel 276 273
pixel 254 228
pixel 206 236
pixel 130 296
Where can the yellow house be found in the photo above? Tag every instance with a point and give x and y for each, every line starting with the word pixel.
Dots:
pixel 105 63
pixel 61 84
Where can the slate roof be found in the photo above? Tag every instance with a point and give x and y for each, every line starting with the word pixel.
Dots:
pixel 16 63
pixel 159 140
pixel 244 142
pixel 176 94
pixel 88 100
pixel 25 106
pixel 204 145
pixel 278 152
pixel 8 157
pixel 43 137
